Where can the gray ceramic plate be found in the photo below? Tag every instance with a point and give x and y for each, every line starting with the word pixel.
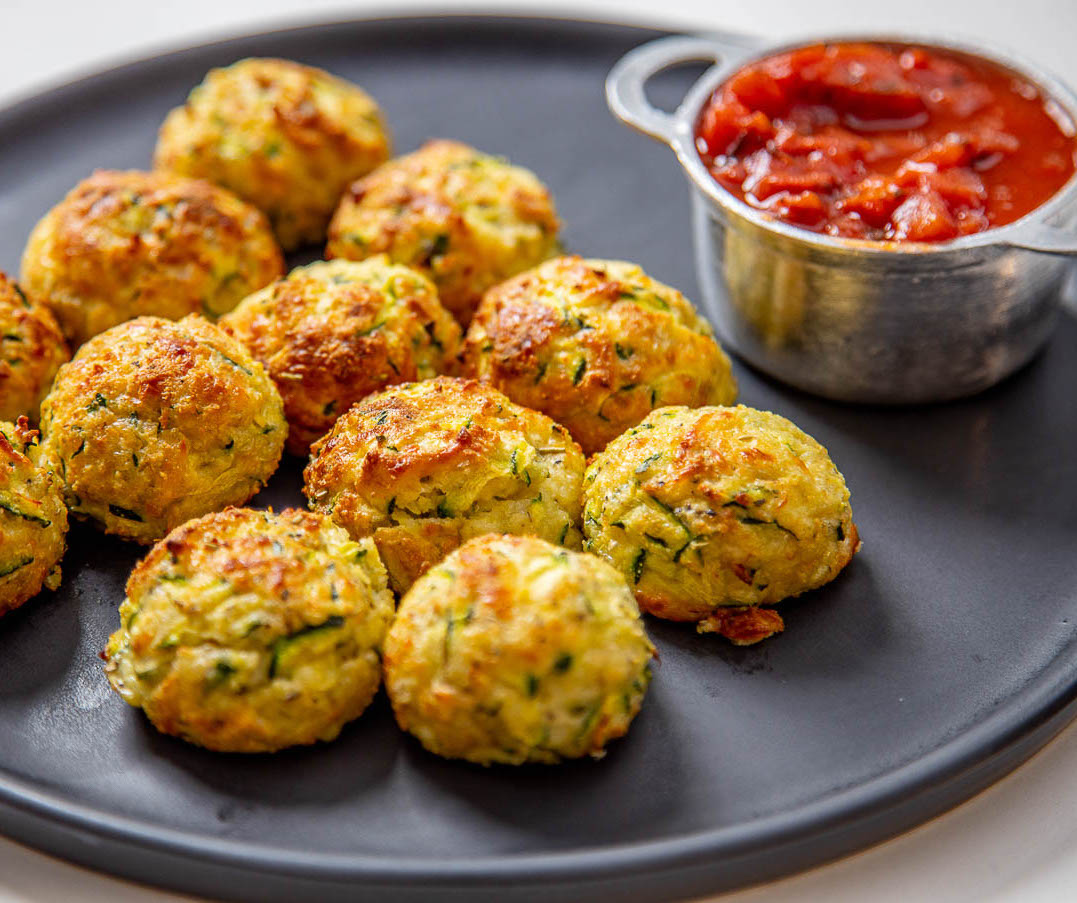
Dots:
pixel 944 656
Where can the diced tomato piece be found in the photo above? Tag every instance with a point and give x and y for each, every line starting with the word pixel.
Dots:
pixel 971 221
pixel 993 140
pixel 866 81
pixel 874 200
pixel 805 208
pixel 757 89
pixel 725 128
pixel 963 101
pixel 914 58
pixel 730 173
pixel 719 126
pixel 767 176
pixel 955 149
pixel 839 144
pixel 894 147
pixel 924 216
pixel 850 226
pixel 961 187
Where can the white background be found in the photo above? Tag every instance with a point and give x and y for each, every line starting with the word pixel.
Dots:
pixel 1018 840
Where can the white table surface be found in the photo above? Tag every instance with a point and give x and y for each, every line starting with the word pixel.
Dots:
pixel 1017 840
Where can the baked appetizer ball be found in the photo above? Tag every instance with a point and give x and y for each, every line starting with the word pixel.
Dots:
pixel 514 650
pixel 331 333
pixel 287 137
pixel 713 512
pixel 465 219
pixel 31 351
pixel 126 244
pixel 248 631
pixel 33 519
pixel 155 422
pixel 422 467
pixel 596 345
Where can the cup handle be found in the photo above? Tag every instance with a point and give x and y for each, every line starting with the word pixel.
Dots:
pixel 1046 240
pixel 625 84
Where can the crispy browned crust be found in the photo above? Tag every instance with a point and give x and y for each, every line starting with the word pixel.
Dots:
pixel 222 543
pixel 409 217
pixel 309 134
pixel 126 243
pixel 568 338
pixel 743 626
pixel 324 363
pixel 32 348
pixel 286 574
pixel 166 420
pixel 384 450
pixel 34 490
pixel 421 444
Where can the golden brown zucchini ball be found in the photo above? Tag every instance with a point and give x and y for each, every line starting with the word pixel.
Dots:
pixel 596 345
pixel 422 467
pixel 514 650
pixel 287 137
pixel 31 351
pixel 332 332
pixel 155 422
pixel 33 519
pixel 465 219
pixel 712 512
pixel 126 244
pixel 248 631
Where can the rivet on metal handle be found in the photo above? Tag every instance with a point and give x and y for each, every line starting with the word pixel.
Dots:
pixel 626 82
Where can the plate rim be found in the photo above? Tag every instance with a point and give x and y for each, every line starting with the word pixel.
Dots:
pixel 951 773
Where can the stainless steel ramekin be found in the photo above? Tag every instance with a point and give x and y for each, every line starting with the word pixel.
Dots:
pixel 848 319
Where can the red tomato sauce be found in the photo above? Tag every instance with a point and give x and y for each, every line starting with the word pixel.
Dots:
pixel 886 142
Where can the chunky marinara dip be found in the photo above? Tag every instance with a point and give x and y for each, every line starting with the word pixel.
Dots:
pixel 886 141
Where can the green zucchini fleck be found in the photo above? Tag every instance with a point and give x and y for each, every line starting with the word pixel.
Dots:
pixel 99 401
pixel 287 643
pixel 563 663
pixel 758 522
pixel 561 536
pixel 637 565
pixel 589 720
pixel 370 329
pixel 125 513
pixel 578 374
pixel 6 570
pixel 235 364
pixel 435 248
pixel 434 340
pixel 25 515
pixel 222 670
pixel 532 685
pixel 647 462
